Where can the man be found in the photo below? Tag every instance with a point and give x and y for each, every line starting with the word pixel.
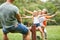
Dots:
pixel 11 21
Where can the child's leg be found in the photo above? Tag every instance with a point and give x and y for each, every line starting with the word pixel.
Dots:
pixel 45 33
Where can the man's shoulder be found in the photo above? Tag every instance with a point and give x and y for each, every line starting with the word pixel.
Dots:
pixel 8 4
pixel 15 6
pixel 2 4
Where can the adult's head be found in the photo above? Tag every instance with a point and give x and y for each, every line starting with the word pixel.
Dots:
pixel 11 1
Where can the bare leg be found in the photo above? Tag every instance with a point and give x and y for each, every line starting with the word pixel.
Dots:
pixel 30 28
pixel 45 33
pixel 27 36
pixel 5 37
pixel 42 33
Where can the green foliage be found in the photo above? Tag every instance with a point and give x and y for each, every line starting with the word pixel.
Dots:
pixel 32 5
pixel 36 5
pixel 57 18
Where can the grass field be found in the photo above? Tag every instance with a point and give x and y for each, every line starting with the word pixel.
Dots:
pixel 53 34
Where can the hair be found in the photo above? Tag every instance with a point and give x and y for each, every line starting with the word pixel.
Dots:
pixel 39 10
pixel 34 11
pixel 45 10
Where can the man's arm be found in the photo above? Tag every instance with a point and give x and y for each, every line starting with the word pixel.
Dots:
pixel 28 11
pixel 18 16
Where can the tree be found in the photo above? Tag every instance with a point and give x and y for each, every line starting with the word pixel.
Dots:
pixel 1 1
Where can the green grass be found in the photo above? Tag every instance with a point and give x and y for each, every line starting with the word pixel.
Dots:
pixel 53 34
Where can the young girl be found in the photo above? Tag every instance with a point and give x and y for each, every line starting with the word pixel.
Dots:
pixel 43 21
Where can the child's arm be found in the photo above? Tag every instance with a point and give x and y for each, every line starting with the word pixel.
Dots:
pixel 48 17
pixel 28 11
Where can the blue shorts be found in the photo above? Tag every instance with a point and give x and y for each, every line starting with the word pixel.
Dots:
pixel 37 24
pixel 20 29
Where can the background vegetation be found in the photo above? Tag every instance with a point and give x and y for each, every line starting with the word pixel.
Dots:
pixel 53 34
pixel 52 6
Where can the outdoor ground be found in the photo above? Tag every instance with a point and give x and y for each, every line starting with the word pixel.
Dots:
pixel 53 34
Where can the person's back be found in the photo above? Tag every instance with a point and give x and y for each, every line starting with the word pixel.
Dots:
pixel 11 20
pixel 7 13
